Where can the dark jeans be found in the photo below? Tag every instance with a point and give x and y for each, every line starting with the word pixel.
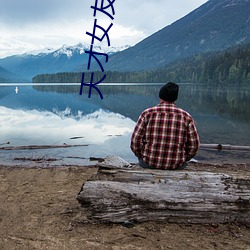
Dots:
pixel 145 165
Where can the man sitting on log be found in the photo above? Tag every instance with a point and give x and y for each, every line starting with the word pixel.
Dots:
pixel 165 136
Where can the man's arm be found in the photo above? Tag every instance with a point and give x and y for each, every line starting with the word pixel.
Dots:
pixel 138 136
pixel 193 141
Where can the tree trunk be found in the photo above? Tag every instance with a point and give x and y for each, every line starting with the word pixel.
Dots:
pixel 128 195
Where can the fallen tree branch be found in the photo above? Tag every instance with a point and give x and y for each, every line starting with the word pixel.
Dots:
pixel 41 159
pixel 29 147
pixel 224 147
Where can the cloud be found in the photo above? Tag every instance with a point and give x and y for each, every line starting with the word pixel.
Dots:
pixel 25 12
pixel 32 24
pixel 141 15
pixel 150 16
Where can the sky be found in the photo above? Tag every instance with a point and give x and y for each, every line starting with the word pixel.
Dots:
pixel 32 25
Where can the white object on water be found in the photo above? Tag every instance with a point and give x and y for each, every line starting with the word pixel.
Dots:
pixel 16 90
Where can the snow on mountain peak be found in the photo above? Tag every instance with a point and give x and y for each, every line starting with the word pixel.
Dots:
pixel 39 51
pixel 80 48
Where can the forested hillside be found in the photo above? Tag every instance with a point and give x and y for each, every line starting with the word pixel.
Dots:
pixel 216 25
pixel 231 66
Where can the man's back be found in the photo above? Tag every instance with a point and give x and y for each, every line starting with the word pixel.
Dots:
pixel 165 136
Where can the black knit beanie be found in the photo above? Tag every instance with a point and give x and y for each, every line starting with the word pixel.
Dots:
pixel 169 92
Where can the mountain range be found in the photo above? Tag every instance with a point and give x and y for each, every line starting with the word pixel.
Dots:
pixel 214 26
pixel 64 59
pixel 7 76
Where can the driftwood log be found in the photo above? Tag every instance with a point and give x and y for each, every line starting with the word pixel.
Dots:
pixel 224 147
pixel 119 195
pixel 30 147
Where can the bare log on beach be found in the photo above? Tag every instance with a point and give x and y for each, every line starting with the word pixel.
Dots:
pixel 29 147
pixel 129 195
pixel 224 147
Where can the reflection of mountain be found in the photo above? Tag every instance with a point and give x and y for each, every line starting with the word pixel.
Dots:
pixel 131 100
pixel 28 99
pixel 222 115
pixel 227 102
pixel 99 133
pixel 33 126
pixel 126 100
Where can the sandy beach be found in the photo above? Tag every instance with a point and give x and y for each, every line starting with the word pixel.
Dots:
pixel 39 210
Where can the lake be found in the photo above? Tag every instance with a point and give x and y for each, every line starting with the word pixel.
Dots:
pixel 56 114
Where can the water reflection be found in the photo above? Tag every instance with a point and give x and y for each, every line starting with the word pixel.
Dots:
pixel 228 101
pixel 54 114
pixel 33 127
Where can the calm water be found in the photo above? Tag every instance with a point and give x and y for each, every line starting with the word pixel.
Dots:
pixel 57 114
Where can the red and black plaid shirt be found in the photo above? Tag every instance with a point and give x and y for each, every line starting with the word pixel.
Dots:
pixel 165 136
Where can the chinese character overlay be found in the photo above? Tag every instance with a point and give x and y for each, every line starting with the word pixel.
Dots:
pixel 107 9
